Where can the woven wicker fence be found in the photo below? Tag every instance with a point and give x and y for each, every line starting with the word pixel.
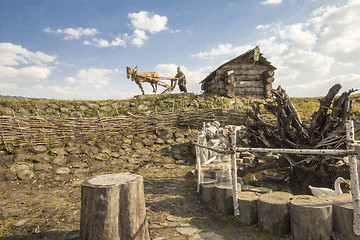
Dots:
pixel 55 130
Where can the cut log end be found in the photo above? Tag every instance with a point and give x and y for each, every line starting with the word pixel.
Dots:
pixel 113 208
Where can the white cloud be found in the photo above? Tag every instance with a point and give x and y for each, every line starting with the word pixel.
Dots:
pixel 72 33
pixel 319 87
pixel 309 62
pixel 223 49
pixel 14 55
pixel 270 2
pixel 267 26
pixel 141 22
pixel 103 43
pixel 272 46
pixel 21 65
pixel 149 22
pixel 139 37
pixel 8 87
pixel 338 31
pixel 309 54
pixel 93 78
pixel 300 37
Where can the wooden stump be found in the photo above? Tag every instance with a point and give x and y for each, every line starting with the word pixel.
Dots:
pixel 113 208
pixel 311 218
pixel 248 205
pixel 343 211
pixel 224 199
pixel 274 212
pixel 207 189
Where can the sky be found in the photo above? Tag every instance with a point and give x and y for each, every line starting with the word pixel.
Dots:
pixel 79 49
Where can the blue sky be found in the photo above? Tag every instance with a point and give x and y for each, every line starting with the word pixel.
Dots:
pixel 79 49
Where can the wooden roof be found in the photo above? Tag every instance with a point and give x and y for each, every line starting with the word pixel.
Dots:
pixel 242 58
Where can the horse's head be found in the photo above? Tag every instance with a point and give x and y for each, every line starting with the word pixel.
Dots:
pixel 129 71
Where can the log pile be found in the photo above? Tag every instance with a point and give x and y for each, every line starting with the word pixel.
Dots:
pixel 326 130
pixel 241 79
pixel 249 74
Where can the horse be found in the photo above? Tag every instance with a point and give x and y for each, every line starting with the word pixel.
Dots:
pixel 151 77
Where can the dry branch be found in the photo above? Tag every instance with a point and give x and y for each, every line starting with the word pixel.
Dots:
pixel 326 129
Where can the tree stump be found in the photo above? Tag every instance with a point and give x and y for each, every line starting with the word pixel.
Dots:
pixel 311 217
pixel 344 216
pixel 207 189
pixel 224 199
pixel 113 208
pixel 274 212
pixel 248 206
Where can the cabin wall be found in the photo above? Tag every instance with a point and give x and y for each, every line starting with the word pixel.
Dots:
pixel 240 79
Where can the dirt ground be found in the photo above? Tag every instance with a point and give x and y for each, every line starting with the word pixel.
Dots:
pixel 50 208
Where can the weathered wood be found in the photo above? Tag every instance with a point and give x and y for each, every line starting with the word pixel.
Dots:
pixel 267 94
pixel 244 66
pixel 311 218
pixel 248 84
pixel 220 72
pixel 269 80
pixel 249 91
pixel 113 208
pixel 355 188
pixel 247 77
pixel 248 206
pixel 223 198
pixel 230 93
pixel 219 78
pixel 207 191
pixel 267 74
pixel 235 186
pixel 268 87
pixel 319 117
pixel 230 79
pixel 274 213
pixel 343 212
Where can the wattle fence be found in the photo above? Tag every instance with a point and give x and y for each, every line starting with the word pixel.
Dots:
pixel 55 130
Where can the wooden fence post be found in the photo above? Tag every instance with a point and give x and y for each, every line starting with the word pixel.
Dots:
pixel 350 137
pixel 234 173
pixel 113 208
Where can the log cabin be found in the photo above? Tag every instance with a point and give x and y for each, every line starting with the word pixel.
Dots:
pixel 249 74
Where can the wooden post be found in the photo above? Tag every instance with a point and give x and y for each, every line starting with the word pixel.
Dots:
pixel 343 213
pixel 234 173
pixel 248 206
pixel 350 137
pixel 311 217
pixel 223 198
pixel 200 156
pixel 198 163
pixel 274 212
pixel 113 208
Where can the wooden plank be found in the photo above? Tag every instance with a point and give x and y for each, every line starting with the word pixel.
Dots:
pixel 247 77
pixel 248 91
pixel 248 84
